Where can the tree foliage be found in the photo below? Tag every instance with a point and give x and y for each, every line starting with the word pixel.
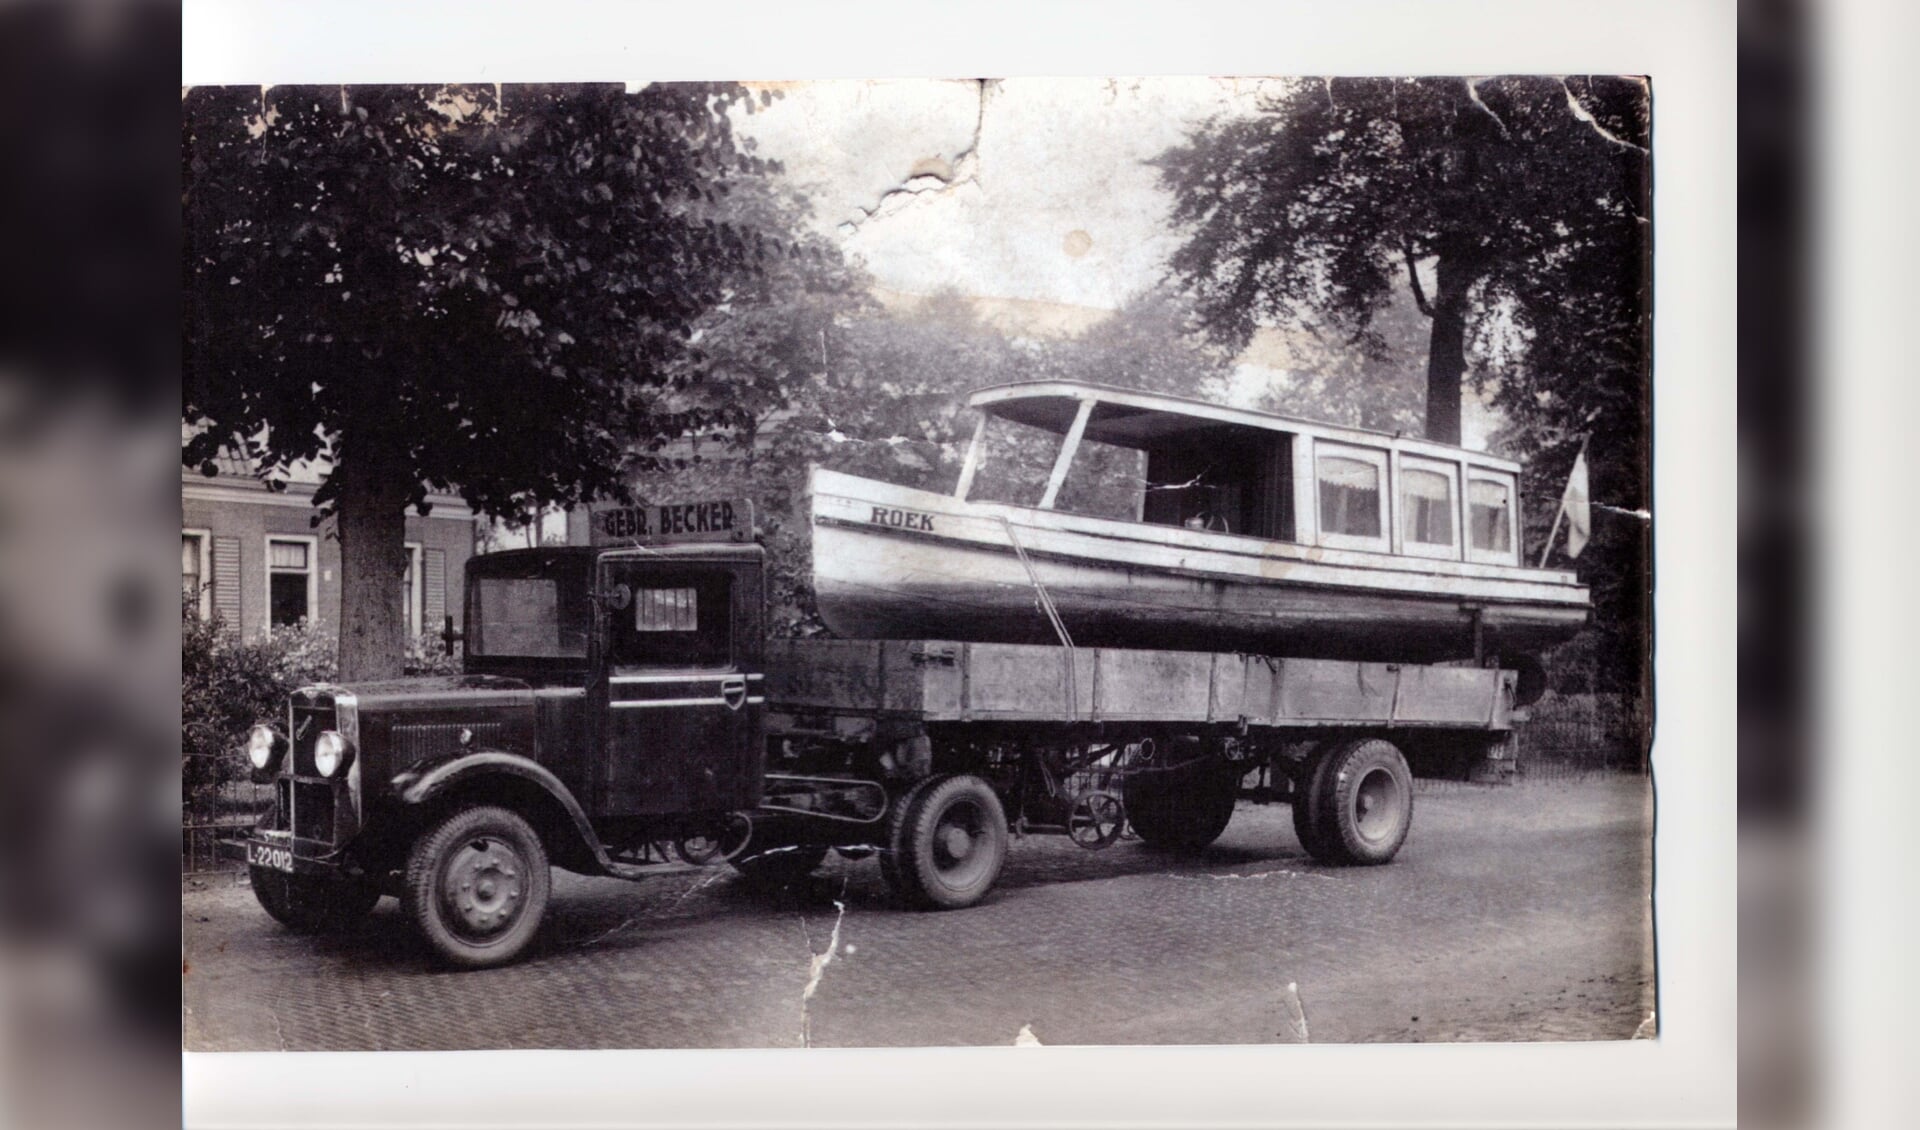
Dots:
pixel 1514 211
pixel 1311 211
pixel 479 290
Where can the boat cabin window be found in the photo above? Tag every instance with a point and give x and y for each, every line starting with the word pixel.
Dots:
pixel 1428 506
pixel 1490 518
pixel 1352 503
pixel 1229 481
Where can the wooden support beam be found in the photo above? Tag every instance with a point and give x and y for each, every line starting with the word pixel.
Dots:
pixel 972 464
pixel 1060 465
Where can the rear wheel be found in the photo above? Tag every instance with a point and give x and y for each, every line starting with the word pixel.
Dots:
pixel 953 843
pixel 309 904
pixel 1185 808
pixel 1367 794
pixel 477 884
pixel 894 832
pixel 1310 803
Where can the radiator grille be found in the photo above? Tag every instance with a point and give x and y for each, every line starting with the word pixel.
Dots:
pixel 313 811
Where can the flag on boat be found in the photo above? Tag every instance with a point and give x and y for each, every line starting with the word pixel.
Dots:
pixel 1576 506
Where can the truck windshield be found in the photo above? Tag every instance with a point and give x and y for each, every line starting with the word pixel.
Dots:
pixel 533 608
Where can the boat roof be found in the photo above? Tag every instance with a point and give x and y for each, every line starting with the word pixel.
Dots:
pixel 1128 417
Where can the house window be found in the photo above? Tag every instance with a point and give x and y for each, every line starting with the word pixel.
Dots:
pixel 196 581
pixel 410 595
pixel 1490 518
pixel 1351 501
pixel 290 581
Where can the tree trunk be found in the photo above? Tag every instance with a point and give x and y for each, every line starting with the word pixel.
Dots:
pixel 372 524
pixel 1447 348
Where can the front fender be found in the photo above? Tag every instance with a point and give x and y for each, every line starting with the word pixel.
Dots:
pixel 421 783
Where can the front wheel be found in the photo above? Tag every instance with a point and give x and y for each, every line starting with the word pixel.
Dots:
pixel 952 844
pixel 476 886
pixel 309 905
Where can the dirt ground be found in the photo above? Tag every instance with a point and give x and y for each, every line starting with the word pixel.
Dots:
pixel 1517 913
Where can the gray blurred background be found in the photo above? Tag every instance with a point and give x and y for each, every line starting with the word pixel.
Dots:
pixel 89 792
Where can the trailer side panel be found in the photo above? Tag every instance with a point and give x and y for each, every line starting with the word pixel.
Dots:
pixel 944 681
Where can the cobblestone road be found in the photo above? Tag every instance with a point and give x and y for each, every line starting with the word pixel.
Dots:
pixel 1511 914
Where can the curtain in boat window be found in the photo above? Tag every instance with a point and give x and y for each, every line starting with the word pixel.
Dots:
pixel 1488 503
pixel 1349 497
pixel 1426 498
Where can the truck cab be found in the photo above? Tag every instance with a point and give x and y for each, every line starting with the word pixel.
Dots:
pixel 612 701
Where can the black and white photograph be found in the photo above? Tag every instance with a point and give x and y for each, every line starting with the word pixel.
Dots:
pixel 874 563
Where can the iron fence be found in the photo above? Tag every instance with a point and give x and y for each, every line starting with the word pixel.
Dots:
pixel 219 804
pixel 1573 735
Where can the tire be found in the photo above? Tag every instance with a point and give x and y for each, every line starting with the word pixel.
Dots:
pixel 894 833
pixel 1310 803
pixel 1184 809
pixel 781 866
pixel 309 905
pixel 1369 802
pixel 476 886
pixel 953 843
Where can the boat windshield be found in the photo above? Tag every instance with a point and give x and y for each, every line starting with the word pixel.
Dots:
pixel 1014 463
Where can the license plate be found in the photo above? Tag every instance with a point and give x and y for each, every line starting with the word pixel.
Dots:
pixel 269 856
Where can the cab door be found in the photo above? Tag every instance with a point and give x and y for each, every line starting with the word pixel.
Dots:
pixel 685 716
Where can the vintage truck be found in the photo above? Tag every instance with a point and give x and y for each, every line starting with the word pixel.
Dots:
pixel 623 713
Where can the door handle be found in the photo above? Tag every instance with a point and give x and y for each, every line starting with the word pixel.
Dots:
pixel 733 691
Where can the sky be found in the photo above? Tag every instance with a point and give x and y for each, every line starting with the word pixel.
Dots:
pixel 1030 189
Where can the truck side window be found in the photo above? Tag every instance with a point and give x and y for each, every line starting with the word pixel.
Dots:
pixel 674 620
pixel 666 610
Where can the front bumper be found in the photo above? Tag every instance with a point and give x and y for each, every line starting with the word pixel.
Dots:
pixel 279 851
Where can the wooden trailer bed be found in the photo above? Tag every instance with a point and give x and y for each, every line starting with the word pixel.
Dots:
pixel 946 681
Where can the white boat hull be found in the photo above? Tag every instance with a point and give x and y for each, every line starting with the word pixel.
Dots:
pixel 896 563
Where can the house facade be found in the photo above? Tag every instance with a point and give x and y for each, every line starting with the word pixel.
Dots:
pixel 254 558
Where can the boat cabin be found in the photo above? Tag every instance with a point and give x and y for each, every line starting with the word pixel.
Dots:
pixel 1259 475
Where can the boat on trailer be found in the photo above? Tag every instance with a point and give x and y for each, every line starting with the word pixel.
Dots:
pixel 1170 523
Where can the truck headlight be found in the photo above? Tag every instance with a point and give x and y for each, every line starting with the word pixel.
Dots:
pixel 264 747
pixel 331 753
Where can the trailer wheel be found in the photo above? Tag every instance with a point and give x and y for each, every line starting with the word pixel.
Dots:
pixel 781 866
pixel 1182 809
pixel 309 905
pixel 1369 801
pixel 477 884
pixel 894 828
pixel 1310 803
pixel 953 844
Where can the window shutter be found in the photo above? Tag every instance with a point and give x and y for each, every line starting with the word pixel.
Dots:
pixel 226 580
pixel 433 588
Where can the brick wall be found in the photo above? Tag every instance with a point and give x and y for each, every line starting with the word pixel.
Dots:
pixel 237 517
